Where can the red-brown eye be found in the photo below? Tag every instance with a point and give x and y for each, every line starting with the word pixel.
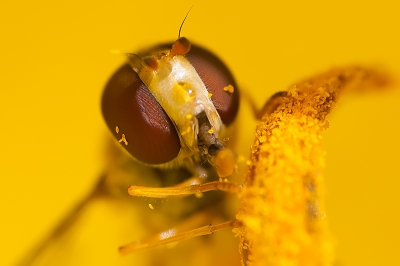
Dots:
pixel 137 120
pixel 216 77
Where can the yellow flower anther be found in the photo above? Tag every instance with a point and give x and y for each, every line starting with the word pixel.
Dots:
pixel 282 201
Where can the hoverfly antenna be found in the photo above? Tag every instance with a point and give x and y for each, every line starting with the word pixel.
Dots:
pixel 182 45
pixel 180 28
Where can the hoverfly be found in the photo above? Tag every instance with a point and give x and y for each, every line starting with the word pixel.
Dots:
pixel 179 150
pixel 170 109
pixel 173 111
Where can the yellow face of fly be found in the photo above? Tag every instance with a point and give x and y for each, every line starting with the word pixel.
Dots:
pixel 176 85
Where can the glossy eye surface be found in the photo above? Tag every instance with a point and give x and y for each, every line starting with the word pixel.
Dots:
pixel 137 120
pixel 216 76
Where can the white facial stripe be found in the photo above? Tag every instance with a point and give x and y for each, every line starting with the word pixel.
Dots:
pixel 181 92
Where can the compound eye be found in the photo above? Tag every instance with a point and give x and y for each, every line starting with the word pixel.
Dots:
pixel 137 120
pixel 217 78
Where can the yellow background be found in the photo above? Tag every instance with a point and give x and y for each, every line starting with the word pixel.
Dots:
pixel 55 61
